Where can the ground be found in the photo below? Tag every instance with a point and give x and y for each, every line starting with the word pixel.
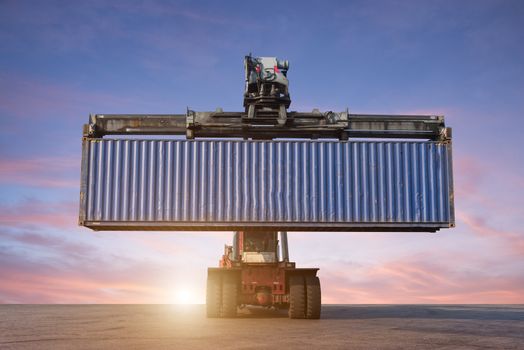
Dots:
pixel 186 327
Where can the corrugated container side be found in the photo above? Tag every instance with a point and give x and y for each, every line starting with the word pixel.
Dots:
pixel 289 185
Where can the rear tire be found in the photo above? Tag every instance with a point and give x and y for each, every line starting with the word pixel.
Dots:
pixel 297 297
pixel 213 296
pixel 229 296
pixel 313 297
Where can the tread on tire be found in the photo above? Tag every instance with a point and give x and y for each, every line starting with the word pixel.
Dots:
pixel 229 297
pixel 213 296
pixel 313 297
pixel 297 297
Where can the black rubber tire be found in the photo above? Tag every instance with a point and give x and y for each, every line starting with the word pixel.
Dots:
pixel 213 296
pixel 313 296
pixel 297 297
pixel 229 296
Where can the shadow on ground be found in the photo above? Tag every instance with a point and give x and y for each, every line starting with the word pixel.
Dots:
pixel 356 312
pixel 259 312
pixel 466 312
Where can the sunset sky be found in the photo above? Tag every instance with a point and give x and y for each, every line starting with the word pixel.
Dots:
pixel 61 60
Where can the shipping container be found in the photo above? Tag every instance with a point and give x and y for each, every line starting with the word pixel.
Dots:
pixel 304 185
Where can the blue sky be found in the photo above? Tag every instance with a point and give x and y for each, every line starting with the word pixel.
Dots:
pixel 60 61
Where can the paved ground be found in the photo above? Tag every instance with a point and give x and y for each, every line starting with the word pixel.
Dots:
pixel 186 327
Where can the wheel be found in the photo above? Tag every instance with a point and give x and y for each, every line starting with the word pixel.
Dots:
pixel 297 297
pixel 229 296
pixel 213 296
pixel 313 297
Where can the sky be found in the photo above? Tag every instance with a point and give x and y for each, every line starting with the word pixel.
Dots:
pixel 62 60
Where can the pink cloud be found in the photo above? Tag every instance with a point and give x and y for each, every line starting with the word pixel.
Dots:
pixel 34 213
pixel 48 172
pixel 514 239
pixel 479 181
pixel 28 287
pixel 410 280
pixel 415 280
pixel 470 173
pixel 46 243
pixel 489 202
pixel 89 278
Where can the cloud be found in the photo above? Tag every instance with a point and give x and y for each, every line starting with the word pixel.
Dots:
pixel 204 15
pixel 49 261
pixel 421 278
pixel 56 244
pixel 513 239
pixel 64 28
pixel 67 270
pixel 29 99
pixel 46 172
pixel 88 56
pixel 35 213
pixel 30 282
pixel 489 201
pixel 488 196
pixel 153 31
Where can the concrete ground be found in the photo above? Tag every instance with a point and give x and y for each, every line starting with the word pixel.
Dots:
pixel 186 327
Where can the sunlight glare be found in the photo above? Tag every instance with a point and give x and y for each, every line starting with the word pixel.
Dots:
pixel 183 296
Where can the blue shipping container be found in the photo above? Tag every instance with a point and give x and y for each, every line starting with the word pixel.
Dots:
pixel 286 185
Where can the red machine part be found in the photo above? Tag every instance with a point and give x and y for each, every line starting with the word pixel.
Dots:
pixel 271 283
pixel 263 285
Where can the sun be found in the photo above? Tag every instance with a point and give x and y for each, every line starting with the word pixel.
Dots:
pixel 183 296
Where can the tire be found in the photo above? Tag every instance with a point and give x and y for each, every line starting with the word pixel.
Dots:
pixel 313 297
pixel 297 297
pixel 213 296
pixel 229 297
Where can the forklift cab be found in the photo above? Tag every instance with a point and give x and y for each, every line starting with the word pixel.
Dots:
pixel 257 247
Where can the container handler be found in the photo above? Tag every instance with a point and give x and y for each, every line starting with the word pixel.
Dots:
pixel 255 269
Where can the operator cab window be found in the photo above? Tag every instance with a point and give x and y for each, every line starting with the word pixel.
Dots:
pixel 260 242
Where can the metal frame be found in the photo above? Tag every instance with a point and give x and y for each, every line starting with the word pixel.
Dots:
pixel 248 226
pixel 84 176
pixel 310 125
pixel 450 185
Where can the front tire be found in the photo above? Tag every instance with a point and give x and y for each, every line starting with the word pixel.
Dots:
pixel 213 296
pixel 297 297
pixel 313 297
pixel 229 297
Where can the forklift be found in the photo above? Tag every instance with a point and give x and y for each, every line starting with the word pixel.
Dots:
pixel 256 269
